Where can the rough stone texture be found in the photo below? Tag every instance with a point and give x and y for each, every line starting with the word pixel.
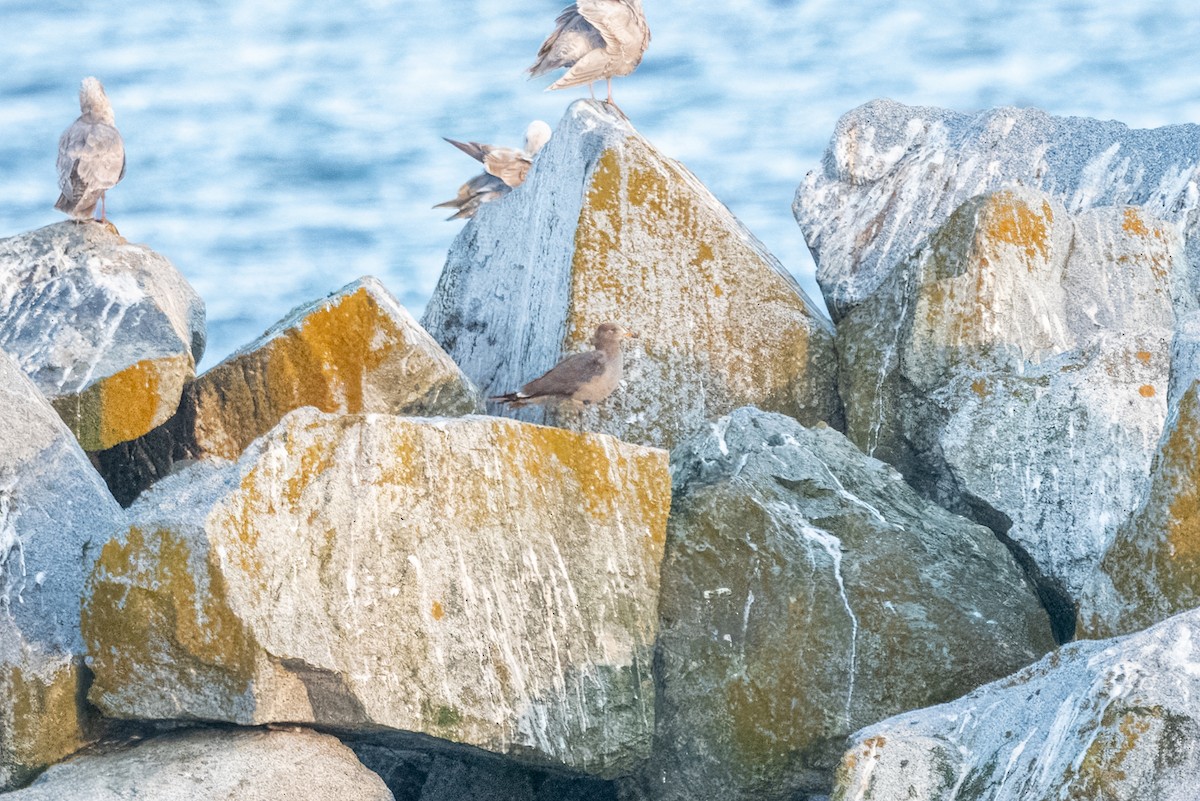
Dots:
pixel 480 580
pixel 109 331
pixel 606 229
pixel 54 514
pixel 894 174
pixel 1117 720
pixel 355 351
pixel 1152 569
pixel 1016 369
pixel 214 765
pixel 808 591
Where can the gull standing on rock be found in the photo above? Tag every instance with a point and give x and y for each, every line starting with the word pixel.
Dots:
pixel 580 379
pixel 594 39
pixel 505 168
pixel 91 155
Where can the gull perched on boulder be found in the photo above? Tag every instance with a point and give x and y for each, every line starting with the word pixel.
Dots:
pixel 91 155
pixel 594 39
pixel 579 379
pixel 504 169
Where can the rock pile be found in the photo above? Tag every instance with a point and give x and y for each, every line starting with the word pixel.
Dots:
pixel 335 578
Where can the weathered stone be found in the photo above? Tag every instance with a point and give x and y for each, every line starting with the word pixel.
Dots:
pixel 355 351
pixel 606 229
pixel 1152 569
pixel 1016 369
pixel 808 591
pixel 109 331
pixel 214 765
pixel 480 580
pixel 54 515
pixel 895 174
pixel 1117 720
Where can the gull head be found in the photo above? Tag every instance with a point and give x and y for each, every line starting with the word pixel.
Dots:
pixel 536 136
pixel 93 100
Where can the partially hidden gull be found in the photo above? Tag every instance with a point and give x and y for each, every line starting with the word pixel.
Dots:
pixel 594 39
pixel 504 169
pixel 91 155
pixel 580 379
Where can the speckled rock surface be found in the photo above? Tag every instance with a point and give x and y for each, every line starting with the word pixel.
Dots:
pixel 1152 569
pixel 214 765
pixel 1117 720
pixel 54 514
pixel 355 351
pixel 484 581
pixel 109 331
pixel 607 229
pixel 894 174
pixel 808 591
pixel 1016 369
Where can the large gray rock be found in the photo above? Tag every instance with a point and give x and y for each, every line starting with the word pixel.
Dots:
pixel 214 765
pixel 55 513
pixel 607 229
pixel 480 580
pixel 1117 720
pixel 109 331
pixel 808 591
pixel 357 350
pixel 894 174
pixel 1016 368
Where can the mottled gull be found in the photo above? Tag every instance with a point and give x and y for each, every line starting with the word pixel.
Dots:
pixel 594 39
pixel 582 378
pixel 91 155
pixel 504 169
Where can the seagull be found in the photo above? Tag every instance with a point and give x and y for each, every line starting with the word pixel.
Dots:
pixel 504 169
pixel 594 39
pixel 580 379
pixel 91 155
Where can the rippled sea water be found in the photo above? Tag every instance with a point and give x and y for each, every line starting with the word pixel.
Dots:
pixel 278 150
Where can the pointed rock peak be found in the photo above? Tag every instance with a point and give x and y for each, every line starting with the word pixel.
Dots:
pixel 607 229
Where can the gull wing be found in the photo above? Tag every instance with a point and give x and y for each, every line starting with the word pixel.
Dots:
pixel 566 377
pixel 573 38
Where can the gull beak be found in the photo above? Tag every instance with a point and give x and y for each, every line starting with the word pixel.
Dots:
pixel 632 335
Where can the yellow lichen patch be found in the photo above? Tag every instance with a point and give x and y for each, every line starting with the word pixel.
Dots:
pixel 322 362
pixel 718 319
pixel 45 720
pixel 1133 223
pixel 1010 220
pixel 1103 770
pixel 980 387
pixel 127 404
pixel 437 611
pixel 1147 391
pixel 147 613
pixel 1143 356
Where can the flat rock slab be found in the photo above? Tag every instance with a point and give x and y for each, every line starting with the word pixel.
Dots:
pixel 808 591
pixel 607 229
pixel 894 174
pixel 214 765
pixel 480 580
pixel 357 350
pixel 1116 720
pixel 1017 369
pixel 55 513
pixel 109 331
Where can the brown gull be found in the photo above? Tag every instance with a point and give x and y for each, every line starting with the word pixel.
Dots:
pixel 580 379
pixel 91 155
pixel 594 39
pixel 504 169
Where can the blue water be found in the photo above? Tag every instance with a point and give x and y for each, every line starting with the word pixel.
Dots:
pixel 279 150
